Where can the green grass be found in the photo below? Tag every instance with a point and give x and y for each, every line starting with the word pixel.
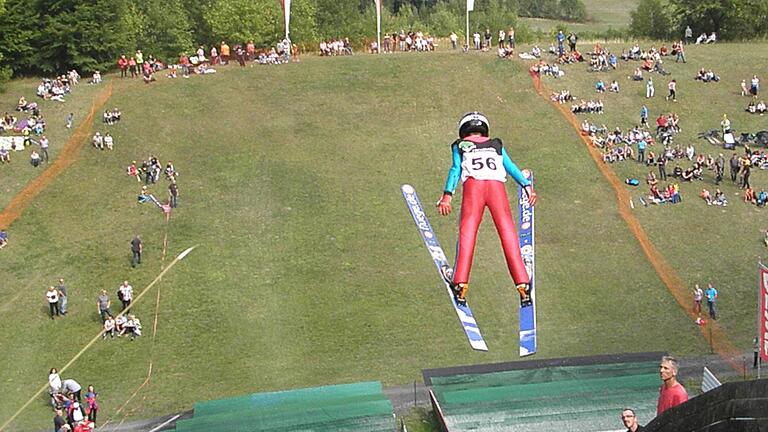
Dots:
pixel 602 15
pixel 309 270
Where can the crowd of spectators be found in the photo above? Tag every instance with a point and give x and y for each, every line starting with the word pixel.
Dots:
pixel 706 75
pixel 588 107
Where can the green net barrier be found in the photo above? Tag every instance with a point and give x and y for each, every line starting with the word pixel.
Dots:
pixel 573 398
pixel 358 407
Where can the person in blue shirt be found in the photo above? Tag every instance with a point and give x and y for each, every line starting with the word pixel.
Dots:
pixel 482 165
pixel 560 41
pixel 711 294
pixel 644 115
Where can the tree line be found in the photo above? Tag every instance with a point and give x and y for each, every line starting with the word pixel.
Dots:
pixel 729 19
pixel 43 37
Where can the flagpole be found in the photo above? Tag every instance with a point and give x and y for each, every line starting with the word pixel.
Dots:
pixel 378 26
pixel 467 25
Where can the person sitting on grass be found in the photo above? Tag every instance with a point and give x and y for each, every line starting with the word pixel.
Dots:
pixel 719 198
pixel 762 198
pixel 5 155
pixel 614 86
pixel 109 328
pixel 600 86
pixel 143 195
pixel 3 239
pixel 98 141
pixel 108 141
pixel 132 327
pixel 35 159
pixel 120 324
pixel 637 75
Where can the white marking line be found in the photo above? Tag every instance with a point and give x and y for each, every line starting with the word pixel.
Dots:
pixel 165 423
pixel 96 338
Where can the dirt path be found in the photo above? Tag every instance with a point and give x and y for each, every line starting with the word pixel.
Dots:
pixel 676 286
pixel 66 157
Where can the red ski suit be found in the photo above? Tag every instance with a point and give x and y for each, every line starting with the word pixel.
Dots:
pixel 482 164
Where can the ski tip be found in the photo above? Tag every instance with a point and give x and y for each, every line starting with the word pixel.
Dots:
pixel 407 188
pixel 479 345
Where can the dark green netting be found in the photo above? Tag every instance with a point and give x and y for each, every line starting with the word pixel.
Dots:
pixel 349 407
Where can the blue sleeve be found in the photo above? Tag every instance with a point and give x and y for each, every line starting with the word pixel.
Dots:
pixel 454 174
pixel 513 170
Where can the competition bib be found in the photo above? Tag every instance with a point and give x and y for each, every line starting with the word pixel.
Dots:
pixel 483 164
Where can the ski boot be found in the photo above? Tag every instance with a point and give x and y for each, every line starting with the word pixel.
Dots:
pixel 460 292
pixel 524 290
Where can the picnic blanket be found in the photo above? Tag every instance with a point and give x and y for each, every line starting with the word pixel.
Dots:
pixel 8 143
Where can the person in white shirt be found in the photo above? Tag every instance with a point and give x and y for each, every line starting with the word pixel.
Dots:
pixel 52 295
pixel 125 292
pixel 108 141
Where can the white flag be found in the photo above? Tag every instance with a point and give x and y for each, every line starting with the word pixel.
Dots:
pixel 470 5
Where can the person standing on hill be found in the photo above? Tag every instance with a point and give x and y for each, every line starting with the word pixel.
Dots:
pixel 482 165
pixel 698 294
pixel 136 249
pixel 711 294
pixel 53 301
pixel 671 392
pixel 735 166
pixel 649 90
pixel 63 298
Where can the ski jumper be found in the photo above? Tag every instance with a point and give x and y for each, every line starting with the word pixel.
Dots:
pixel 482 165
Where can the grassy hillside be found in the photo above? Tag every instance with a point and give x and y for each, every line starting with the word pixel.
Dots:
pixel 309 270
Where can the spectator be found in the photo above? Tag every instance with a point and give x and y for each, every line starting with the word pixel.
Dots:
pixel 132 327
pixel 34 159
pixel 103 305
pixel 671 392
pixel 54 382
pixel 224 51
pixel 649 90
pixel 754 87
pixel 91 405
pixel 125 294
pixel 572 38
pixel 62 289
pixel 173 193
pixel 672 86
pixel 136 249
pixel 75 413
pixel 73 387
pixel 58 420
pixel 122 63
pixel 109 328
pixel 44 144
pixel 108 141
pixel 53 301
pixel 698 294
pixel 711 294
pixel 454 38
pixel 629 418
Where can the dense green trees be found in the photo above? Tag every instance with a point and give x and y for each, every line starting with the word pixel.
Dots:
pixel 50 36
pixel 730 19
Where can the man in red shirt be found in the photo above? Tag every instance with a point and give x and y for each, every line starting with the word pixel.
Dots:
pixel 671 393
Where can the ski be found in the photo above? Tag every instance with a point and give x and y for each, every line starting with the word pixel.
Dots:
pixel 526 235
pixel 463 312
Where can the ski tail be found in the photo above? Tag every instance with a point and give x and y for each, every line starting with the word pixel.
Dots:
pixel 526 213
pixel 463 312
